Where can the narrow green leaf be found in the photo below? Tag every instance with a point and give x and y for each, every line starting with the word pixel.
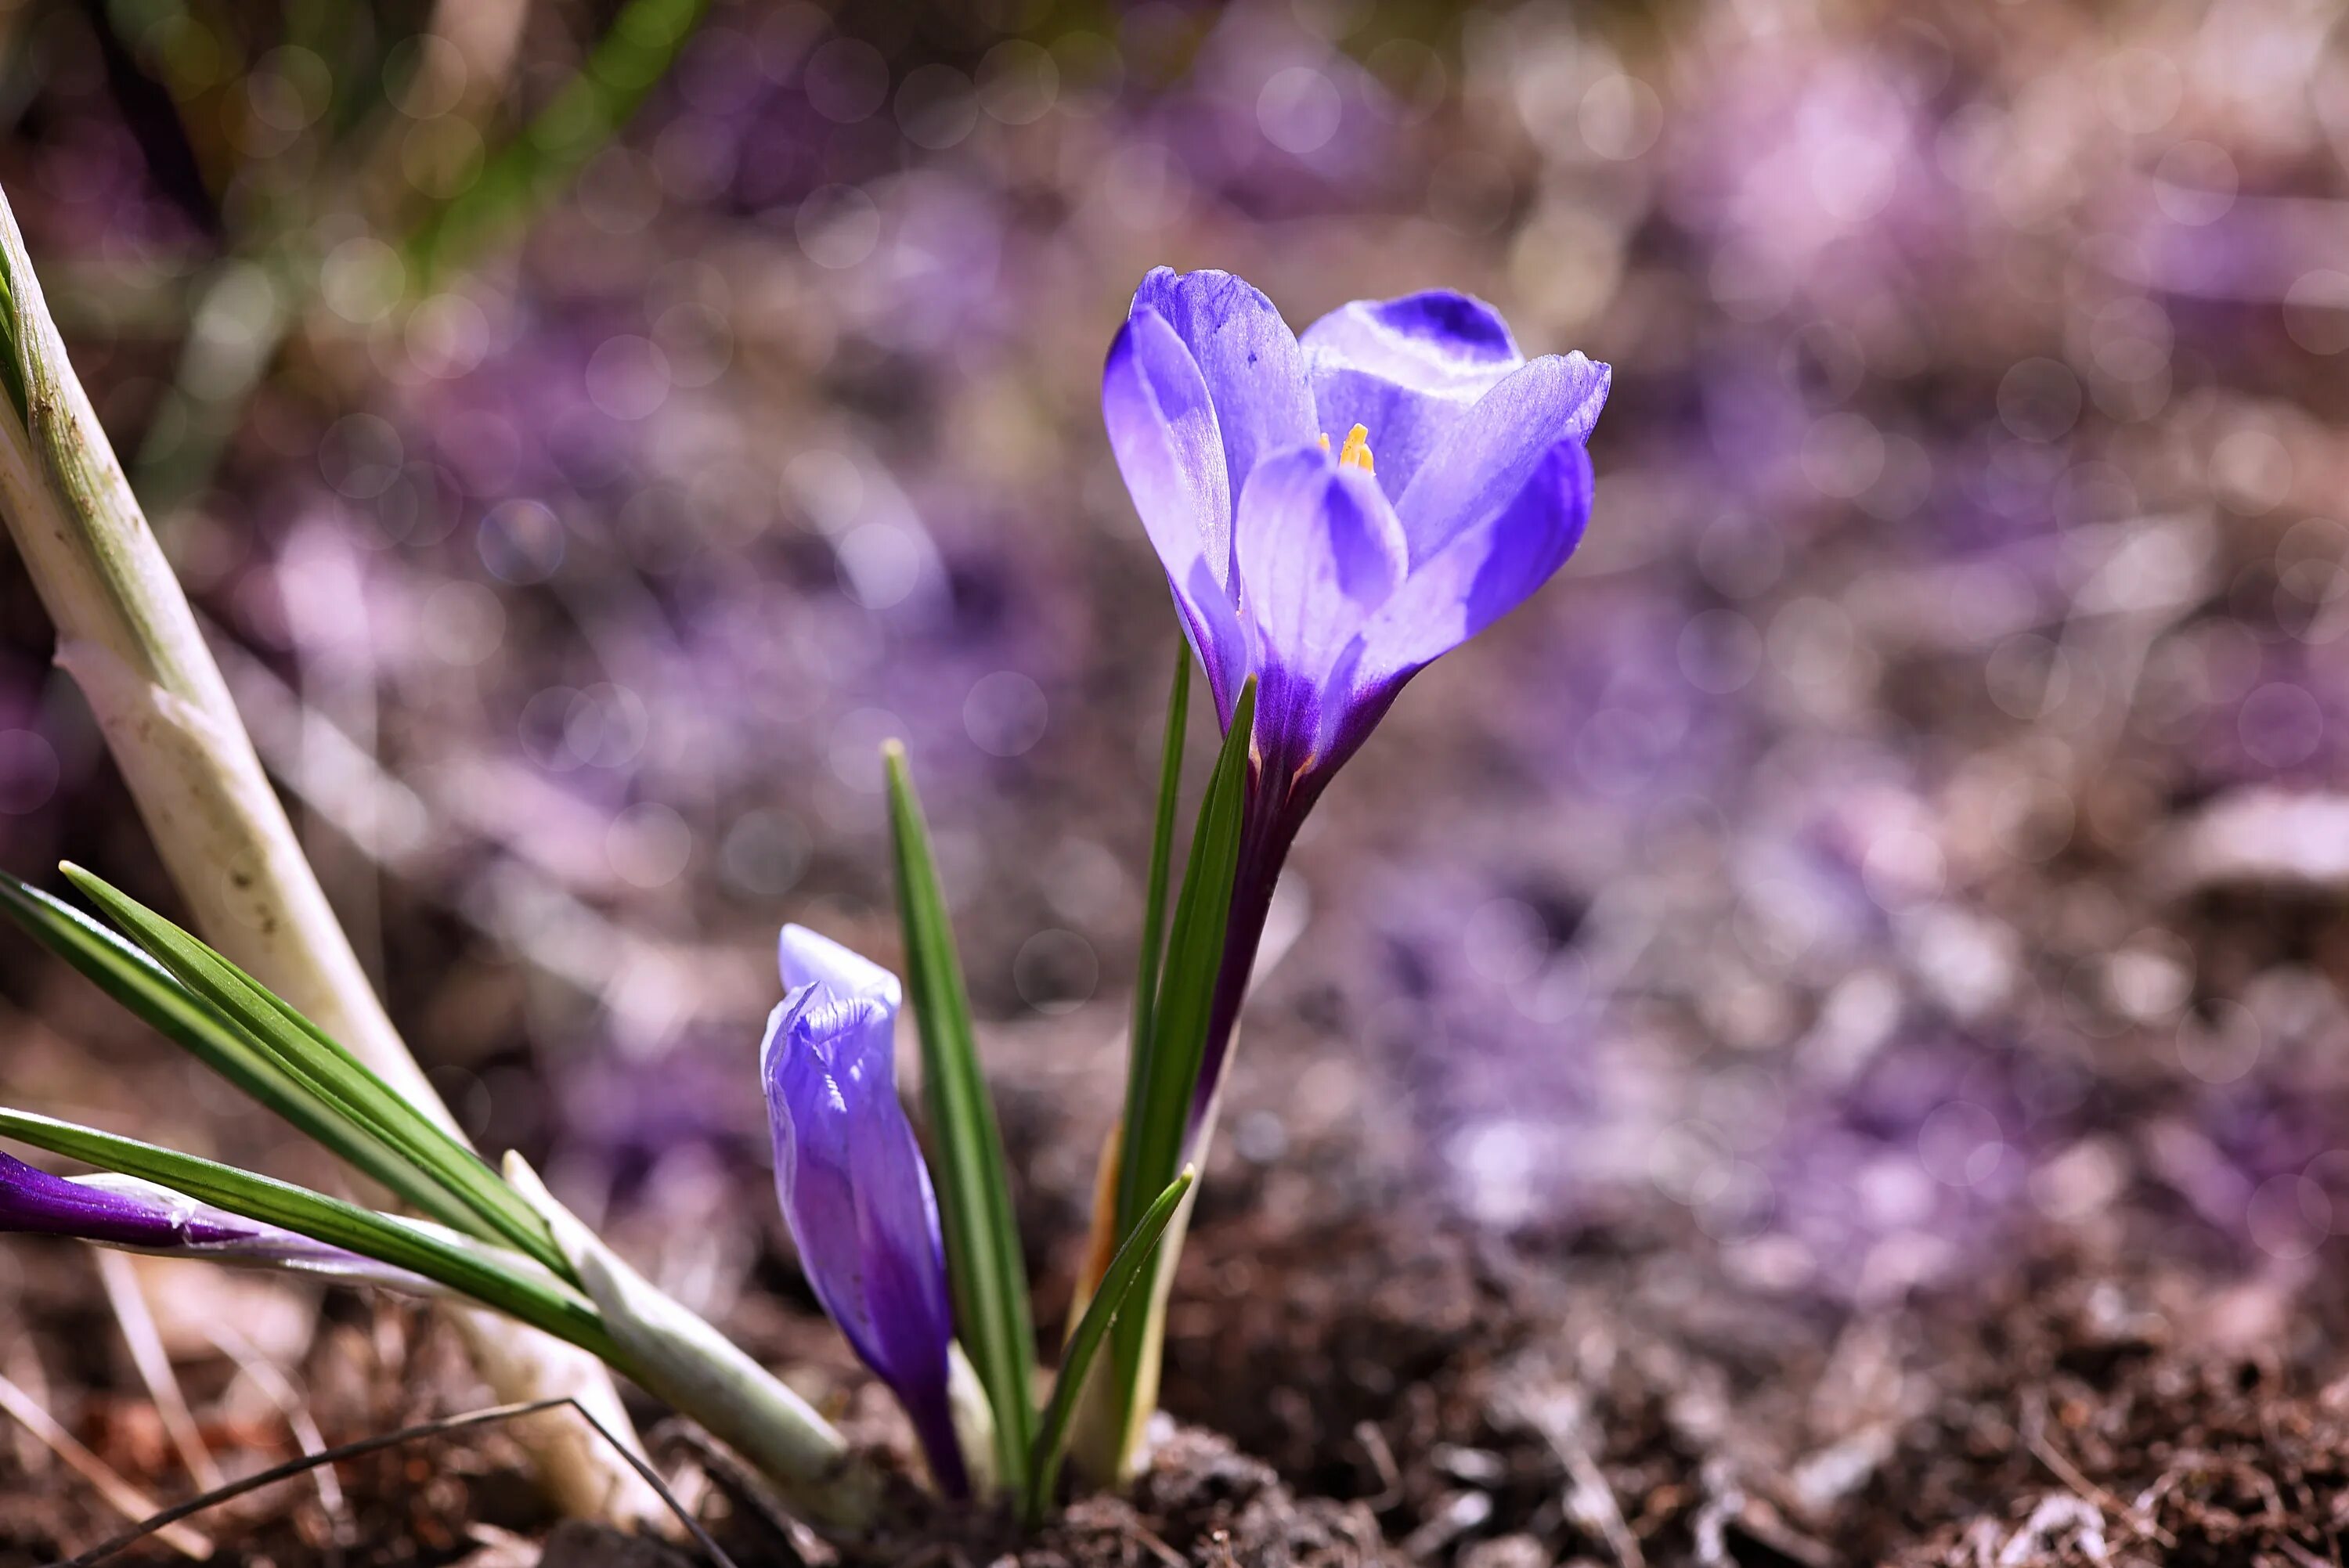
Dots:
pixel 1162 853
pixel 1158 1096
pixel 330 1072
pixel 984 1266
pixel 577 123
pixel 462 1266
pixel 1125 1270
pixel 152 993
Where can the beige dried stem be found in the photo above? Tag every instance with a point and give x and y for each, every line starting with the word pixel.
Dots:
pixel 128 636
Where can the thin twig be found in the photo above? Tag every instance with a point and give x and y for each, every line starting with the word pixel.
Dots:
pixel 154 1365
pixel 2034 1438
pixel 2299 1554
pixel 743 1485
pixel 126 1498
pixel 32 1380
pixel 1159 1549
pixel 1593 1492
pixel 168 1518
pixel 1588 1492
pixel 279 1391
pixel 1383 1461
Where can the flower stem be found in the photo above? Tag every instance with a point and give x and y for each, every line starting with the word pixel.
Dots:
pixel 1269 830
pixel 129 637
pixel 1116 1411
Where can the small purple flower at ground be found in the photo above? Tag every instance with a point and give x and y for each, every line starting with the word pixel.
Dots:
pixel 137 1216
pixel 854 1185
pixel 1334 576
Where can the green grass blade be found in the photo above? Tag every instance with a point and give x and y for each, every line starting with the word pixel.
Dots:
pixel 984 1266
pixel 1158 1096
pixel 155 996
pixel 577 122
pixel 1125 1271
pixel 328 1070
pixel 1161 854
pixel 462 1266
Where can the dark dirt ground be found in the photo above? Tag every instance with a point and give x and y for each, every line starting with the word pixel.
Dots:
pixel 1434 1399
pixel 1364 1380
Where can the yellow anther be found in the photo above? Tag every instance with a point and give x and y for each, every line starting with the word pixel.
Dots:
pixel 1357 449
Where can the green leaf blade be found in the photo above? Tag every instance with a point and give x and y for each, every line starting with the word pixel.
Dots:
pixel 1158 1097
pixel 469 1269
pixel 1161 854
pixel 330 1072
pixel 581 118
pixel 1125 1271
pixel 985 1268
pixel 1159 1094
pixel 156 996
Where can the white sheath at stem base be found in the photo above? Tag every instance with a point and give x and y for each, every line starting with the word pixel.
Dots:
pixel 1108 1453
pixel 677 1355
pixel 1105 1451
pixel 129 638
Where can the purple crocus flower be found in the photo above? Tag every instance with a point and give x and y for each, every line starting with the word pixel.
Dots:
pixel 854 1185
pixel 1334 576
pixel 138 1216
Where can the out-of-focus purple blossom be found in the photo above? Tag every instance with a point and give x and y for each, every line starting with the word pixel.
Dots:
pixel 1335 575
pixel 853 1182
pixel 137 1216
pixel 1272 117
pixel 1810 168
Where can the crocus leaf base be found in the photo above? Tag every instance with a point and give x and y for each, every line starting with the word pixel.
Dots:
pixel 679 1357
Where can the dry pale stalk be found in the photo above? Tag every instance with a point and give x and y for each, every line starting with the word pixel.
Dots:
pixel 120 1495
pixel 129 637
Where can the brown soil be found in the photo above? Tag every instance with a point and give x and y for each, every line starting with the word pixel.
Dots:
pixel 1392 1390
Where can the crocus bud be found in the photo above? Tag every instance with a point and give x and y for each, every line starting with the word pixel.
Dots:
pixel 854 1185
pixel 138 1216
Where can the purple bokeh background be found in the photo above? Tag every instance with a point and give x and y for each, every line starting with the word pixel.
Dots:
pixel 1854 859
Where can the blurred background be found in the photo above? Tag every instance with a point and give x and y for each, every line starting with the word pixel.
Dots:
pixel 1905 844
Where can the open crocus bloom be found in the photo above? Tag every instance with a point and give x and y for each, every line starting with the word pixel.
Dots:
pixel 138 1216
pixel 1335 575
pixel 852 1182
pixel 1459 487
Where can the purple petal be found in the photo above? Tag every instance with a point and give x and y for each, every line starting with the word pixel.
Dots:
pixel 1408 370
pixel 853 1183
pixel 807 958
pixel 1254 371
pixel 909 1311
pixel 34 1202
pixel 116 1211
pixel 1419 338
pixel 1169 448
pixel 1485 573
pixel 807 1115
pixel 1485 461
pixel 1320 551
